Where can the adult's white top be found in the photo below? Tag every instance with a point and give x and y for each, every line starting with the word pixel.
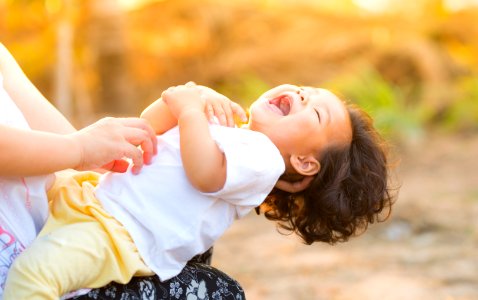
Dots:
pixel 23 200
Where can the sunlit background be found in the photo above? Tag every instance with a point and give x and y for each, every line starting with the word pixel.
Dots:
pixel 412 64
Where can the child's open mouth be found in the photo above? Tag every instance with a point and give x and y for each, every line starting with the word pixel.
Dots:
pixel 282 103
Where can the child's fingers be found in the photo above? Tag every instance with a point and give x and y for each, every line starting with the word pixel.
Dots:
pixel 210 112
pixel 228 113
pixel 224 111
pixel 239 111
pixel 220 113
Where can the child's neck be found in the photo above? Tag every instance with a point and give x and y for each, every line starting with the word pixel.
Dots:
pixel 284 156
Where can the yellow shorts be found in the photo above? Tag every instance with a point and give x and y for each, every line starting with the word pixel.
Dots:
pixel 81 245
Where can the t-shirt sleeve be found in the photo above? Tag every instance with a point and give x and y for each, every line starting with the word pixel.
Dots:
pixel 254 165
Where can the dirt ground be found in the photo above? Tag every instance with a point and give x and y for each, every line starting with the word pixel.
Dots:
pixel 427 250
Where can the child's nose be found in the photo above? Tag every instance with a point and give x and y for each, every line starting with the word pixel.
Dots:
pixel 302 95
pixel 299 92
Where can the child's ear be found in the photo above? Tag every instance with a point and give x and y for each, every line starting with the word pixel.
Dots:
pixel 306 165
pixel 296 186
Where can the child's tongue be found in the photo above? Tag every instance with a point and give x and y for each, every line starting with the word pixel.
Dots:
pixel 282 103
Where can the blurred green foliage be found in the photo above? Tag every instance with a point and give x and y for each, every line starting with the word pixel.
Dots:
pixel 395 115
pixel 386 103
pixel 416 68
pixel 463 114
pixel 244 89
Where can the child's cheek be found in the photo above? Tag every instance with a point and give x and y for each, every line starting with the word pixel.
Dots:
pixel 305 121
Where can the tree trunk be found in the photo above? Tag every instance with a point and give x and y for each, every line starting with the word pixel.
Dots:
pixel 64 64
pixel 107 42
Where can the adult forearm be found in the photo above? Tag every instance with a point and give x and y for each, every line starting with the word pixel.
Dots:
pixel 28 153
pixel 38 111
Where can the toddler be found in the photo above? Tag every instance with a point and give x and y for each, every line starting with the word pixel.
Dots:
pixel 310 162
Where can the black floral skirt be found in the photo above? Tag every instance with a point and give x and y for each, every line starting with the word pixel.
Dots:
pixel 197 281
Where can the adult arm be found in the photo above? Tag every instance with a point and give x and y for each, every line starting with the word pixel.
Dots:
pixel 106 142
pixel 38 111
pixel 54 144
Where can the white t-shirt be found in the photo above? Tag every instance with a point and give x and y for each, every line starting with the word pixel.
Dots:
pixel 168 219
pixel 23 200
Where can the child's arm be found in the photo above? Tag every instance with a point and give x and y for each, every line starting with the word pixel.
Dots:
pixel 203 161
pixel 162 119
pixel 159 116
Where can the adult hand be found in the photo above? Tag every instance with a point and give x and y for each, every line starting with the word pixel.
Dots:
pixel 107 142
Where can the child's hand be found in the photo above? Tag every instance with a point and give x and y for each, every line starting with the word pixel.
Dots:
pixel 191 96
pixel 182 98
pixel 221 107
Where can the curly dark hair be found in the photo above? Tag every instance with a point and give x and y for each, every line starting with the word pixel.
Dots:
pixel 350 191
